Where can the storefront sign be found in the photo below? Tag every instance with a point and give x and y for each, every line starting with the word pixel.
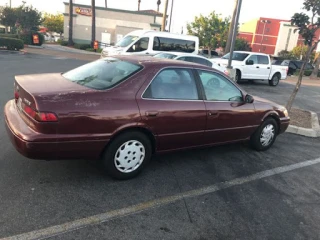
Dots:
pixel 35 38
pixel 95 45
pixel 84 11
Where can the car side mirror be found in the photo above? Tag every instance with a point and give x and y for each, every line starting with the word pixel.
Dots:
pixel 249 99
pixel 249 62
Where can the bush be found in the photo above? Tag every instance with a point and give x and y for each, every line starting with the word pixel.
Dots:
pixel 11 43
pixel 27 38
pixel 82 46
pixel 308 73
pixel 9 36
pixel 64 43
pixel 99 50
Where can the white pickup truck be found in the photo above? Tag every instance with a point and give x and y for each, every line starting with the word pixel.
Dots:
pixel 254 66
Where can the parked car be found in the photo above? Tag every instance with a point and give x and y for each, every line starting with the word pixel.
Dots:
pixel 254 66
pixel 293 65
pixel 194 59
pixel 149 42
pixel 122 110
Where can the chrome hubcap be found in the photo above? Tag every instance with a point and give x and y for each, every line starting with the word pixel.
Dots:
pixel 267 135
pixel 129 156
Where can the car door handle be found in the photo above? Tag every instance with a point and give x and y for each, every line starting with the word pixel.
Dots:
pixel 152 114
pixel 268 67
pixel 257 67
pixel 212 113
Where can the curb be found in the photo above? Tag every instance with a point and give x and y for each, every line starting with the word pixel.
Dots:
pixel 33 46
pixel 307 132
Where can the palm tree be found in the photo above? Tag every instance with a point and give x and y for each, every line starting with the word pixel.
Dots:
pixel 158 3
pixel 70 41
pixel 139 2
pixel 93 32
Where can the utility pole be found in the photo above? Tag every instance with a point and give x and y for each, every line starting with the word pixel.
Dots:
pixel 70 41
pixel 10 4
pixel 233 41
pixel 106 3
pixel 164 19
pixel 171 15
pixel 139 2
pixel 93 32
pixel 227 49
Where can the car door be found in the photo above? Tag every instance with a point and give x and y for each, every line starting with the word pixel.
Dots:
pixel 229 118
pixel 172 108
pixel 264 67
pixel 251 71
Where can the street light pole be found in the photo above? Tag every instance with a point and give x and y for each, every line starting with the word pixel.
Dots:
pixel 234 34
pixel 171 15
pixel 164 19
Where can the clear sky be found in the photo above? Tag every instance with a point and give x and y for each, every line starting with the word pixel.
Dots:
pixel 185 10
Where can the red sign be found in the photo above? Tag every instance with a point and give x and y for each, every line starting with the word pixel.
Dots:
pixel 96 45
pixel 84 11
pixel 35 38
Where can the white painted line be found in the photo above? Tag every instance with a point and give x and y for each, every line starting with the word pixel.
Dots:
pixel 107 216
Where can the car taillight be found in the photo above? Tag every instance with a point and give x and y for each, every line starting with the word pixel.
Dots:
pixel 40 116
pixel 226 72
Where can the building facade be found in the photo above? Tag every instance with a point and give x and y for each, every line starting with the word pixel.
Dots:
pixel 269 35
pixel 111 24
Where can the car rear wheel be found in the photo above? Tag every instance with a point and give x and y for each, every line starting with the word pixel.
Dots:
pixel 275 80
pixel 126 155
pixel 265 135
pixel 238 76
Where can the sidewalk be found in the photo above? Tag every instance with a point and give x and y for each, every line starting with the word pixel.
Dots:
pixel 306 81
pixel 60 51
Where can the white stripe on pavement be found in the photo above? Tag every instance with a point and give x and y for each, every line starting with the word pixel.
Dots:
pixel 107 216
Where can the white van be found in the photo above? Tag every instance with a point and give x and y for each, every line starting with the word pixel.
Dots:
pixel 149 42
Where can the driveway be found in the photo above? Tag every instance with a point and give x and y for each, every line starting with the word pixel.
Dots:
pixel 227 192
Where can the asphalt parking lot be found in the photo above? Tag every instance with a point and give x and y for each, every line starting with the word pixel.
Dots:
pixel 227 192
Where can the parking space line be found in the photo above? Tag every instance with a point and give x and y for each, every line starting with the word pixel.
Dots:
pixel 107 216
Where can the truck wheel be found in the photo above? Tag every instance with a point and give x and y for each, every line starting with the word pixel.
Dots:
pixel 238 76
pixel 275 80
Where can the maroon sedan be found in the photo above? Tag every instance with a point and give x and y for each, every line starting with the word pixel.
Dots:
pixel 122 110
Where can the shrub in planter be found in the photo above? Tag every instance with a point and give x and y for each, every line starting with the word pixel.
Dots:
pixel 11 43
pixel 9 36
pixel 99 50
pixel 26 37
pixel 82 46
pixel 308 73
pixel 64 43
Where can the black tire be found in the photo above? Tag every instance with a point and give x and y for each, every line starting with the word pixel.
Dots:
pixel 275 80
pixel 108 158
pixel 238 76
pixel 256 141
pixel 251 81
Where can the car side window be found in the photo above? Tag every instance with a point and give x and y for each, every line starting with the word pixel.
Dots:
pixel 173 84
pixel 219 88
pixel 254 58
pixel 141 45
pixel 201 61
pixel 187 59
pixel 263 60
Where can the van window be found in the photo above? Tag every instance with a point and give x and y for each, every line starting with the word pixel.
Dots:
pixel 126 41
pixel 141 45
pixel 173 45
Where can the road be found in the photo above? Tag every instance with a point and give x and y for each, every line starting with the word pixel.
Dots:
pixel 227 192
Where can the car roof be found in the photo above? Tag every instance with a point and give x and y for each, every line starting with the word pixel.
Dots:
pixel 161 62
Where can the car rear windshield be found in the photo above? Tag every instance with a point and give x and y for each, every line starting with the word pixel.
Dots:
pixel 102 74
pixel 236 56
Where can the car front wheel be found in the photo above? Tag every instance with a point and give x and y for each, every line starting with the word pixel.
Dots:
pixel 127 154
pixel 265 135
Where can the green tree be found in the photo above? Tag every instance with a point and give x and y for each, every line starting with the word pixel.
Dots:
pixel 54 22
pixel 8 16
pixel 307 27
pixel 212 30
pixel 284 54
pixel 242 45
pixel 28 17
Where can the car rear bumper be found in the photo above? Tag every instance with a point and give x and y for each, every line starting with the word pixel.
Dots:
pixel 31 144
pixel 284 124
